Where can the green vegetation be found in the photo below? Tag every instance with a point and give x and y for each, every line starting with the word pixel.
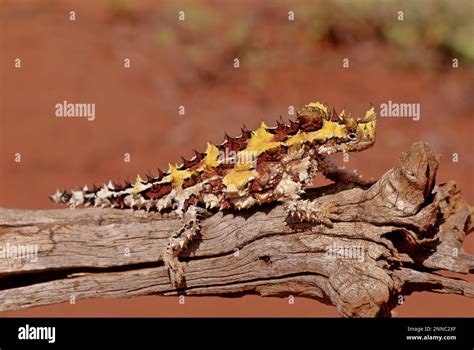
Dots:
pixel 439 26
pixel 442 25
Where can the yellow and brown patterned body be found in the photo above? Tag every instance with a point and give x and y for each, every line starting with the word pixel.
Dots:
pixel 265 165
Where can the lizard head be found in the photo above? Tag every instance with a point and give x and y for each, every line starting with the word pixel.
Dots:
pixel 332 132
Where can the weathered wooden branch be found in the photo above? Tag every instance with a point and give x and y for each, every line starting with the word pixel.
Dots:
pixel 390 240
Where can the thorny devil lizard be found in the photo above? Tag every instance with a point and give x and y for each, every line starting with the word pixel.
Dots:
pixel 270 164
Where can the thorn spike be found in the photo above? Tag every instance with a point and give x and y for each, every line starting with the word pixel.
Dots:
pixel 160 173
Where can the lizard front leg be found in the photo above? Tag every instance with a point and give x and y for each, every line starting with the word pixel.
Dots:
pixel 305 210
pixel 178 241
pixel 321 213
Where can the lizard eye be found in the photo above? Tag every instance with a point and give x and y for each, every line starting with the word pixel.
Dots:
pixel 352 136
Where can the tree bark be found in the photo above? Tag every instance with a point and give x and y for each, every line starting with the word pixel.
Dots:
pixel 391 239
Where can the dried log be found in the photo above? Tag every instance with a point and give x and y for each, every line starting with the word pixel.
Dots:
pixel 390 240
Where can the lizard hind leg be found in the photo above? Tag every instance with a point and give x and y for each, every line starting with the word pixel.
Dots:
pixel 179 240
pixel 310 211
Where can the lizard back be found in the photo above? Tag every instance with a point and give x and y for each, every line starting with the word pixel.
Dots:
pixel 265 165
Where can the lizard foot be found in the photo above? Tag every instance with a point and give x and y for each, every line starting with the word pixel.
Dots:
pixel 321 213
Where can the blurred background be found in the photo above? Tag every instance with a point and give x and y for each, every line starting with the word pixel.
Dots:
pixel 403 51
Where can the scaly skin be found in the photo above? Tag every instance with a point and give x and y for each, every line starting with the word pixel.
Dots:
pixel 266 165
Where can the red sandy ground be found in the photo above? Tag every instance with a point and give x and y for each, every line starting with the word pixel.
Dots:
pixel 136 113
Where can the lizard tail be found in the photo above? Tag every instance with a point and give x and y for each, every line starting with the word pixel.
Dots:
pixel 105 196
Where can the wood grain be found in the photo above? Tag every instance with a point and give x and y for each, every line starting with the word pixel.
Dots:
pixel 391 239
